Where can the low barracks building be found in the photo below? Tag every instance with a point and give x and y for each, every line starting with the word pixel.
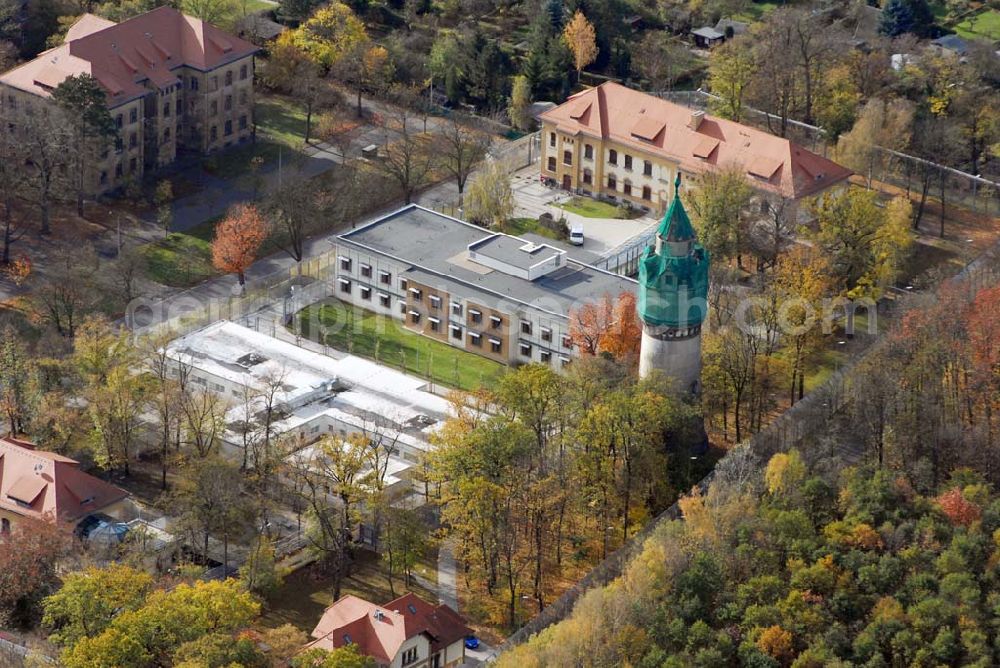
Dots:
pixel 173 82
pixel 503 297
pixel 629 146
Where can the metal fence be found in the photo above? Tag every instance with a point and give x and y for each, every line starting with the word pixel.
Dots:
pixel 287 290
pixel 519 153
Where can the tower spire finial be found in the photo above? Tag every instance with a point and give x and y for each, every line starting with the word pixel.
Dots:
pixel 677 185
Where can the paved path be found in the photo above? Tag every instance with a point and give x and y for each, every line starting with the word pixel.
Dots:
pixel 447 587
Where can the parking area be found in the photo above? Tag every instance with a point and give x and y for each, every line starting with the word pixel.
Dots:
pixel 601 235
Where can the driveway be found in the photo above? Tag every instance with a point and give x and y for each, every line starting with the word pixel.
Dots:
pixel 601 235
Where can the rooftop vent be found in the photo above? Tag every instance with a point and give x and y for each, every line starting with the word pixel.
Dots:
pixel 250 360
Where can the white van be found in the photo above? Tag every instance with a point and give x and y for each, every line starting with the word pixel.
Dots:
pixel 576 234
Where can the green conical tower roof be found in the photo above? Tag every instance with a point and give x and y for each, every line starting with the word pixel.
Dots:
pixel 673 272
pixel 676 226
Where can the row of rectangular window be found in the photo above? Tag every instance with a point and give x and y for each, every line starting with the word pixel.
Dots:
pixel 475 338
pixel 228 79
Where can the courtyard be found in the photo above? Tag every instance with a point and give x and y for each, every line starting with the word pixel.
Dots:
pixel 381 338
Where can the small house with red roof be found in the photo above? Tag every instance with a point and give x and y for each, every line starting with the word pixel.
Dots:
pixel 41 485
pixel 407 631
pixel 622 144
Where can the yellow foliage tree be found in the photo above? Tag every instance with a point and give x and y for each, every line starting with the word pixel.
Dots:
pixel 330 34
pixel 582 41
pixel 776 642
pixel 785 472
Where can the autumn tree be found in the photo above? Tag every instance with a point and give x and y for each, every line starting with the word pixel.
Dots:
pixel 330 34
pixel 589 322
pixel 719 210
pixel 520 103
pixel 403 545
pixel 328 479
pixel 19 382
pixel 89 600
pixel 367 67
pixel 490 200
pixel 608 325
pixel 209 497
pixel 881 123
pixel 152 633
pixel 800 281
pixel 731 70
pixel 104 359
pixel 662 60
pixel 865 244
pixel 29 557
pixel 347 656
pixel 238 238
pixel 582 41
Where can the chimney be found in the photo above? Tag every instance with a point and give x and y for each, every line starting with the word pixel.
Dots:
pixel 379 615
pixel 696 118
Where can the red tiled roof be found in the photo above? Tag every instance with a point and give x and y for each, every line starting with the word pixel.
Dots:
pixel 123 56
pixel 649 124
pixel 36 483
pixel 380 631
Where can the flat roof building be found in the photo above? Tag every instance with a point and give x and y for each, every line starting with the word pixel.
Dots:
pixel 316 395
pixel 501 296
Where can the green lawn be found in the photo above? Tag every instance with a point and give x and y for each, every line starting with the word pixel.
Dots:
pixel 281 127
pixel 985 25
pixel 755 11
pixel 180 260
pixel 517 226
pixel 383 338
pixel 254 6
pixel 591 208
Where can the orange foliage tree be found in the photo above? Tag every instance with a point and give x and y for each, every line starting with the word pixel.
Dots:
pixel 607 326
pixel 238 238
pixel 984 332
pixel 959 510
pixel 29 554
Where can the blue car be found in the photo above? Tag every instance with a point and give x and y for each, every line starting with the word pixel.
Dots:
pixel 471 642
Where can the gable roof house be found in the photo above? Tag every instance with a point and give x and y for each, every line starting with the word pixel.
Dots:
pixel 39 484
pixel 407 631
pixel 628 145
pixel 161 71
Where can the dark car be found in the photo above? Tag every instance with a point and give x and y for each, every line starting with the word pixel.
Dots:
pixel 471 642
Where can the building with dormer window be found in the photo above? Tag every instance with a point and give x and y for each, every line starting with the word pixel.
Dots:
pixel 174 84
pixel 629 146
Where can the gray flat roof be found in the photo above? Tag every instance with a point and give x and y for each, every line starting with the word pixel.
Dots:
pixel 436 247
pixel 515 251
